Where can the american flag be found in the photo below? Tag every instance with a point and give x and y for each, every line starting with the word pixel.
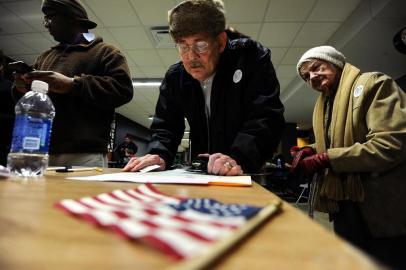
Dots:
pixel 180 227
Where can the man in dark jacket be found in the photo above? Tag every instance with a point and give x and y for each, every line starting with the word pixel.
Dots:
pixel 227 90
pixel 87 80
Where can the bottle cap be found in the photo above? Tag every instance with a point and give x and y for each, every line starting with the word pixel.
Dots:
pixel 39 86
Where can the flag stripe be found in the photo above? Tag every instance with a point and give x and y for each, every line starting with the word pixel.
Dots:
pixel 151 191
pixel 180 227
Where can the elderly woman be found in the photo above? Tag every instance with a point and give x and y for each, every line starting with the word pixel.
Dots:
pixel 359 122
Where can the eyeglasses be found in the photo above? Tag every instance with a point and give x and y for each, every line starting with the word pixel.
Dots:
pixel 48 19
pixel 199 47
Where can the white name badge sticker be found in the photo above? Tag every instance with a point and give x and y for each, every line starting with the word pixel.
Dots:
pixel 358 90
pixel 237 76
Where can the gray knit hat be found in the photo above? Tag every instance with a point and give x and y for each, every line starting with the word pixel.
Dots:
pixel 196 16
pixel 326 53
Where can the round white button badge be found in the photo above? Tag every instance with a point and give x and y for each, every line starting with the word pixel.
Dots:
pixel 237 76
pixel 358 90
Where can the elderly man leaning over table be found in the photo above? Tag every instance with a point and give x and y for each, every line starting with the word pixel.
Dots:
pixel 226 89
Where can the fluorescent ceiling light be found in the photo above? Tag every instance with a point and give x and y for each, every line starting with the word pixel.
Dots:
pixel 151 117
pixel 146 84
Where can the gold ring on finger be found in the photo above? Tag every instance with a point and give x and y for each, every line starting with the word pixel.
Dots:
pixel 228 165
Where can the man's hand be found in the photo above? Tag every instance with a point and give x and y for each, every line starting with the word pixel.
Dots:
pixel 20 83
pixel 58 83
pixel 220 164
pixel 137 163
pixel 299 156
pixel 314 164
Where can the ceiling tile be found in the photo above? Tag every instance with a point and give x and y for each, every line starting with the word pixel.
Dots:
pixel 293 55
pixel 50 38
pixel 154 72
pixel 289 10
pixel 28 11
pixel 152 96
pixel 130 108
pixel 130 61
pixel 139 111
pixel 315 34
pixel 141 117
pixel 151 93
pixel 12 46
pixel 153 13
pixel 287 71
pixel 249 29
pixel 242 11
pixel 107 36
pixel 277 54
pixel 169 56
pixel 136 99
pixel 374 50
pixel 299 106
pixel 392 9
pixel 35 41
pixel 120 13
pixel 131 37
pixel 145 105
pixel 10 23
pixel 333 10
pixel 137 93
pixel 136 72
pixel 145 57
pixel 284 82
pixel 278 34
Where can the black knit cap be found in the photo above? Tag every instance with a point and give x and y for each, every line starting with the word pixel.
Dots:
pixel 69 8
pixel 196 16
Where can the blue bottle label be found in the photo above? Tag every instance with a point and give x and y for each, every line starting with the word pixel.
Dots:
pixel 31 134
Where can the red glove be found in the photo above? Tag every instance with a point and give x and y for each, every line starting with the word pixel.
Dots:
pixel 304 152
pixel 294 149
pixel 314 163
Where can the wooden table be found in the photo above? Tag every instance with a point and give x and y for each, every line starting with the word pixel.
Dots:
pixel 35 235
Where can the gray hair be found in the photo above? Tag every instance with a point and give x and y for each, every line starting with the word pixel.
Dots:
pixel 197 16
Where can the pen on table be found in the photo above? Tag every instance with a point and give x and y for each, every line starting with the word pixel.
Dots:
pixel 68 169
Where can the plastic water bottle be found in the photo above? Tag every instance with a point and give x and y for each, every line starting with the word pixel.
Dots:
pixel 28 156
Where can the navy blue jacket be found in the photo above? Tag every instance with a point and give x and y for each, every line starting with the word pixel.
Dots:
pixel 246 118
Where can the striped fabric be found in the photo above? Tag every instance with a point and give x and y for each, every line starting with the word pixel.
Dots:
pixel 180 227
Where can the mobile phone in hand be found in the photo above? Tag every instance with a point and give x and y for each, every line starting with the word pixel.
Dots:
pixel 19 67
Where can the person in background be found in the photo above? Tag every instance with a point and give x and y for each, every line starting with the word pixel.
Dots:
pixel 359 122
pixel 6 112
pixel 87 80
pixel 126 150
pixel 227 91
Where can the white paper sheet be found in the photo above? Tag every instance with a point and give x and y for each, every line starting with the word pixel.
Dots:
pixel 178 176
